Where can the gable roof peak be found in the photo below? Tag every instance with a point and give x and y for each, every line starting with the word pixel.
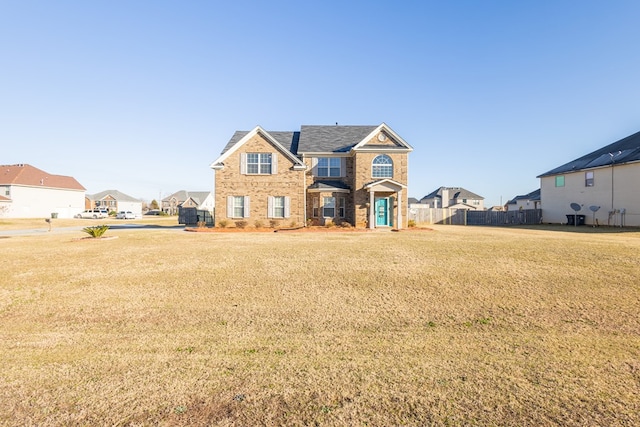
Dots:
pixel 239 138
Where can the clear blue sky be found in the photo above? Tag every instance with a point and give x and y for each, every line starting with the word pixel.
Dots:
pixel 141 96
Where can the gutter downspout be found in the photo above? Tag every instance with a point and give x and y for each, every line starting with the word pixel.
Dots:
pixel 304 194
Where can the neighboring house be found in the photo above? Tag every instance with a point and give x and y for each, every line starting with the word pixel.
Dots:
pixel 607 178
pixel 454 198
pixel 201 200
pixel 525 201
pixel 319 175
pixel 114 201
pixel 33 193
pixel 5 205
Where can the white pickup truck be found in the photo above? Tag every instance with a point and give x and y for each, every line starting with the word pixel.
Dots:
pixel 93 213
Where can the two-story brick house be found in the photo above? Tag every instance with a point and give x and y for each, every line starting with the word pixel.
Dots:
pixel 320 174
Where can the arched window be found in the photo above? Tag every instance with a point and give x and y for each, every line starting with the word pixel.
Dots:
pixel 382 167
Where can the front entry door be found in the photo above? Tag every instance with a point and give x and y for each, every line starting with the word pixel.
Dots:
pixel 382 211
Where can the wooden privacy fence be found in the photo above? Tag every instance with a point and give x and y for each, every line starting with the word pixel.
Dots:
pixel 426 215
pixel 192 217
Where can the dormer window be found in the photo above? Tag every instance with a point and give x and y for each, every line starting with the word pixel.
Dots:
pixel 382 167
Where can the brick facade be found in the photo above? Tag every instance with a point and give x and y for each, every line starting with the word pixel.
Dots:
pixel 286 182
pixel 297 178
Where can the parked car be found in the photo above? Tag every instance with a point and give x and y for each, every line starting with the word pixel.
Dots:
pixel 125 215
pixel 153 212
pixel 93 214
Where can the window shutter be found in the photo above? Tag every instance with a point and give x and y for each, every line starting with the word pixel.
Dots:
pixel 247 207
pixel 243 163
pixel 314 166
pixel 287 206
pixel 343 166
pixel 274 163
pixel 270 207
pixel 229 206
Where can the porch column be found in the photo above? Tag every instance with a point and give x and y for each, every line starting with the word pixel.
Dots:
pixel 372 209
pixel 399 214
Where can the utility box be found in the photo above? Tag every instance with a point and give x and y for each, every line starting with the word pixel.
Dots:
pixel 571 219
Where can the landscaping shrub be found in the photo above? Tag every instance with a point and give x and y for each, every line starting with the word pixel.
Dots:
pixel 96 230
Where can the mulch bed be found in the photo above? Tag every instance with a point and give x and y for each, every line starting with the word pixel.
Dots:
pixel 312 229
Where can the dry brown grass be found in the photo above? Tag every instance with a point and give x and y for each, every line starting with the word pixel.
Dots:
pixel 41 223
pixel 458 326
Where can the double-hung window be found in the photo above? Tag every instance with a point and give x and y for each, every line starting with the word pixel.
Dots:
pixel 279 206
pixel 329 166
pixel 238 206
pixel 316 201
pixel 382 167
pixel 329 207
pixel 259 163
pixel 588 179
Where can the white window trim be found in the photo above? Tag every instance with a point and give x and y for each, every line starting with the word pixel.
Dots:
pixel 246 209
pixel 589 179
pixel 271 207
pixel 244 164
pixel 315 167
pixel 380 166
pixel 323 207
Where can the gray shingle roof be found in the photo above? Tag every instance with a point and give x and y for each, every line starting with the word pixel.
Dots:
pixel 454 193
pixel 199 196
pixel 183 195
pixel 288 140
pixel 625 150
pixel 321 139
pixel 534 195
pixel 336 139
pixel 329 185
pixel 118 195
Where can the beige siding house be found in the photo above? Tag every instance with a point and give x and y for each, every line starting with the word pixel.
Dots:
pixel 29 192
pixel 524 201
pixel 202 200
pixel 114 201
pixel 606 179
pixel 318 175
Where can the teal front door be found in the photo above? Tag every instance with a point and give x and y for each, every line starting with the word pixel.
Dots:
pixel 382 211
